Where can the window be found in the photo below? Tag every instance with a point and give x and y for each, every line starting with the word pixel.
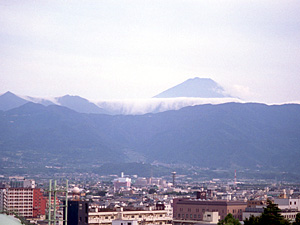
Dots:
pixel 179 215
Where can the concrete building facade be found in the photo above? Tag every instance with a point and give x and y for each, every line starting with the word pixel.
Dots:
pixel 288 203
pixel 194 209
pixel 142 217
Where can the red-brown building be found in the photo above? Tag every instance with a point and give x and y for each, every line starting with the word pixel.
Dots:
pixel 39 203
pixel 193 209
pixel 26 202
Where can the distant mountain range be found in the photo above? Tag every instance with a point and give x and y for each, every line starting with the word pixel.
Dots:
pixel 229 136
pixel 9 101
pixel 177 128
pixel 189 93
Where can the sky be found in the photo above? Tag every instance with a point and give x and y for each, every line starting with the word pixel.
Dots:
pixel 102 49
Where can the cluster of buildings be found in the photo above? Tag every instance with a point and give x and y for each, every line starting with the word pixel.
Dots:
pixel 143 201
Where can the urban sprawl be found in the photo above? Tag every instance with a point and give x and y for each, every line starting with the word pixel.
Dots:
pixel 132 200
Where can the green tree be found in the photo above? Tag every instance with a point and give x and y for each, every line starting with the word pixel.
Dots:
pixel 253 220
pixel 297 220
pixel 270 216
pixel 229 220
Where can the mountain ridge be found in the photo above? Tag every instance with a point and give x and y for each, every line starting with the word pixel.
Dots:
pixel 191 92
pixel 231 135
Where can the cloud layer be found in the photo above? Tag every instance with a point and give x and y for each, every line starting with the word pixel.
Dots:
pixel 155 105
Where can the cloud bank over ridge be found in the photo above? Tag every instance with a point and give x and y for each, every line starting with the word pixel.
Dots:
pixel 155 105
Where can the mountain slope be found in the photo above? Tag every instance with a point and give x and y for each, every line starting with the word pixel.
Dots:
pixel 54 134
pixel 196 87
pixel 79 104
pixel 228 135
pixel 9 101
pixel 232 135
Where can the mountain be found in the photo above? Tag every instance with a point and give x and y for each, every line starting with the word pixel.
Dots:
pixel 112 107
pixel 79 104
pixel 196 87
pixel 43 134
pixel 227 136
pixel 9 101
pixel 192 92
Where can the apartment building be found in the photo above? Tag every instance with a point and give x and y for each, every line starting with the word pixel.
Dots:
pixel 26 202
pixel 142 217
pixel 194 209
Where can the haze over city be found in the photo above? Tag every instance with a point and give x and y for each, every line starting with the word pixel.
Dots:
pixel 137 49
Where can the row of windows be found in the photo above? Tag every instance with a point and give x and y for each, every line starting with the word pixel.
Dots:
pixel 130 216
pixel 203 210
pixel 290 216
pixel 235 211
pixel 19 210
pixel 189 216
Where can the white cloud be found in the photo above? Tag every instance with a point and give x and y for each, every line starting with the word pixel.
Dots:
pixel 143 106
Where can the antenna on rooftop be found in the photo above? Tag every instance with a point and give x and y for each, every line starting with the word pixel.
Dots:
pixel 174 176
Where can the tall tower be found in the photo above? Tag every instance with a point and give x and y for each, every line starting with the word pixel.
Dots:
pixel 173 177
pixel 234 177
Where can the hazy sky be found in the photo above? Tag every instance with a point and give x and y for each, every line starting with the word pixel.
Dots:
pixel 137 49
